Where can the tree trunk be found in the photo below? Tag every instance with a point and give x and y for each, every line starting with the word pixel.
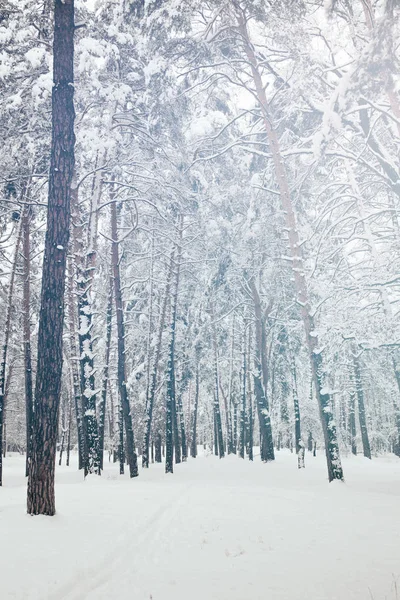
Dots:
pixel 171 434
pixel 154 374
pixel 7 332
pixel 73 364
pixel 121 452
pixel 327 419
pixel 352 418
pixel 242 432
pixel 158 448
pixel 361 408
pixel 297 422
pixel 41 498
pixel 103 402
pixel 193 445
pixel 26 250
pixel 217 408
pixel 261 379
pixel 119 310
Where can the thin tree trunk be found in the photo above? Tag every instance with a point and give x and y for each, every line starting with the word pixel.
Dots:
pixel 182 428
pixel 217 409
pixel 361 408
pixel 119 310
pixel 352 418
pixel 69 427
pixel 297 422
pixel 171 434
pixel 121 452
pixel 158 449
pixel 41 498
pixel 242 433
pixel 154 374
pixel 103 402
pixel 26 217
pixel 73 364
pixel 193 445
pixel 334 465
pixel 261 378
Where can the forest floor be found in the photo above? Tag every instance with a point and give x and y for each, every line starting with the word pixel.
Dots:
pixel 215 530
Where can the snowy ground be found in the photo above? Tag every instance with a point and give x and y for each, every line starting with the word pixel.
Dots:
pixel 215 530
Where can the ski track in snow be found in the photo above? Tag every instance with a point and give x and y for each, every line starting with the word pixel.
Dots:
pixel 214 530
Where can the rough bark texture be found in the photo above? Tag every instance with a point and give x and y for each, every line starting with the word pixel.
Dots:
pixel 261 378
pixel 73 363
pixel 361 408
pixel 171 432
pixel 103 402
pixel 41 497
pixel 119 309
pixel 26 250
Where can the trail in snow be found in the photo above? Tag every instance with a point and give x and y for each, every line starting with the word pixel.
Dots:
pixel 215 530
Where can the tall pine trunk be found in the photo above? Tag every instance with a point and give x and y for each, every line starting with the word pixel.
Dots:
pixel 193 441
pixel 261 378
pixel 103 401
pixel 41 497
pixel 7 332
pixel 154 373
pixel 171 426
pixel 119 310
pixel 361 407
pixel 334 465
pixel 26 217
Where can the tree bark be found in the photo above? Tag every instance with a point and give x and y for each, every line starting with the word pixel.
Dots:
pixel 103 402
pixel 334 465
pixel 26 250
pixel 41 498
pixel 261 378
pixel 361 408
pixel 154 374
pixel 119 310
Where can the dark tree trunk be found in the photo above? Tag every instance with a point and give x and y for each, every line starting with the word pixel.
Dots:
pixel 215 429
pixel 297 422
pixel 182 428
pixel 361 408
pixel 121 452
pixel 171 433
pixel 119 310
pixel 193 445
pixel 26 250
pixel 352 418
pixel 217 408
pixel 158 449
pixel 41 498
pixel 235 427
pixel 242 432
pixel 103 402
pixel 261 378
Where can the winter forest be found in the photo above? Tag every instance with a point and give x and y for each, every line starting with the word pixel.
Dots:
pixel 200 299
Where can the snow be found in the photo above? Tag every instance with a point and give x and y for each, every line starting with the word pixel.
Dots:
pixel 214 530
